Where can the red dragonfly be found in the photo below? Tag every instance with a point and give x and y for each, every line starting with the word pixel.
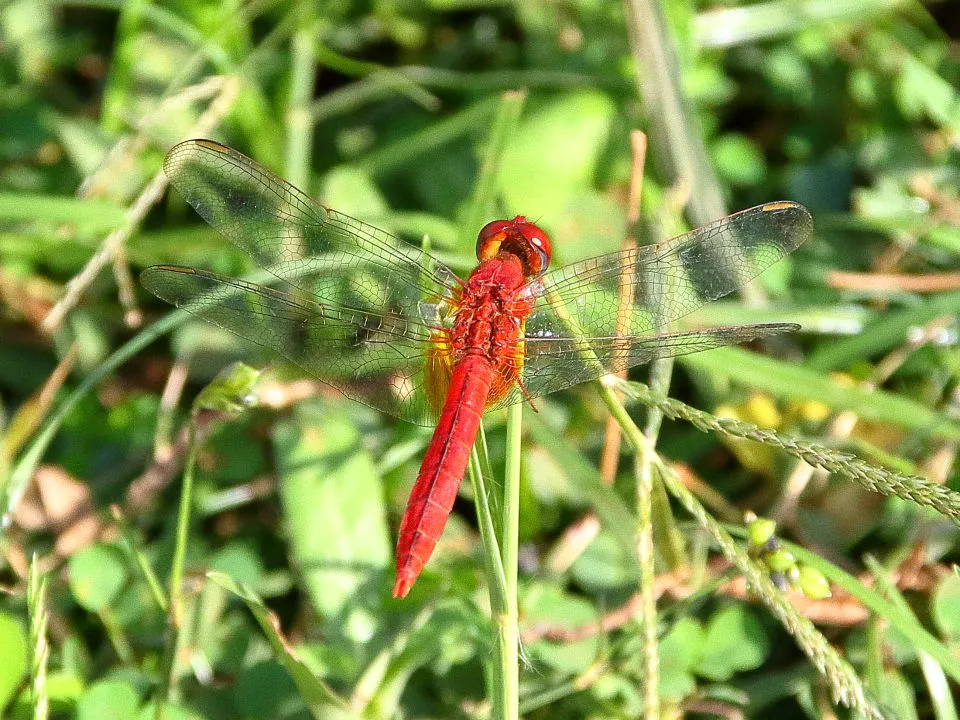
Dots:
pixel 392 327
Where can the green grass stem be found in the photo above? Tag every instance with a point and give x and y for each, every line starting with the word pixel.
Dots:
pixel 184 512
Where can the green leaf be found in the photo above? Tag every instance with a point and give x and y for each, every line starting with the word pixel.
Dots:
pixel 554 154
pixel 795 382
pixel 738 159
pixel 231 391
pixel 735 641
pixel 109 700
pixel 92 214
pixel 945 607
pixel 333 503
pixel 266 691
pixel 64 689
pixel 900 619
pixel 921 91
pixel 352 191
pixel 548 605
pixel 897 694
pixel 97 575
pixel 239 561
pixel 604 566
pixel 170 711
pixel 679 650
pixel 317 696
pixel 13 650
pixel 888 331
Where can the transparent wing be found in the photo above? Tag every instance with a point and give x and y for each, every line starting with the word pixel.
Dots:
pixel 375 358
pixel 553 364
pixel 350 302
pixel 614 311
pixel 327 254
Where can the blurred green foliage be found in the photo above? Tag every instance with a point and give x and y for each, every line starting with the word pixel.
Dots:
pixel 382 110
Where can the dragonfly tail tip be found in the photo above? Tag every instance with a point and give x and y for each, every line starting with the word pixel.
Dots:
pixel 403 584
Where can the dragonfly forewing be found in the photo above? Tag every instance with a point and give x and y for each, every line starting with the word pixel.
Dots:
pixel 349 303
pixel 616 311
pixel 325 253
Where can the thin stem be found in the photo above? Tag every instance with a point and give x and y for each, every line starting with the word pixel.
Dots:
pixel 511 497
pixel 172 390
pixel 644 448
pixel 429 140
pixel 508 627
pixel 39 645
pixel 484 191
pixel 183 528
pixel 673 126
pixel 153 582
pixel 844 683
pixel 299 118
pixel 648 597
pixel 491 548
pixel 176 630
pixel 180 642
pixel 499 598
pixel 494 499
pixel 638 145
pixel 636 439
pixel 872 477
pixel 115 634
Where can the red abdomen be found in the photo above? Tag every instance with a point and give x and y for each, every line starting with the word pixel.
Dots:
pixel 442 470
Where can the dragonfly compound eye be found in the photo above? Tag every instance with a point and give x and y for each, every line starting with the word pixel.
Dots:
pixel 539 251
pixel 490 237
pixel 522 238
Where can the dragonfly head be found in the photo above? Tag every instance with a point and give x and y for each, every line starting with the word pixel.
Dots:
pixel 524 239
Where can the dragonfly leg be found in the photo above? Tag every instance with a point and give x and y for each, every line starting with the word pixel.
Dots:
pixel 526 395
